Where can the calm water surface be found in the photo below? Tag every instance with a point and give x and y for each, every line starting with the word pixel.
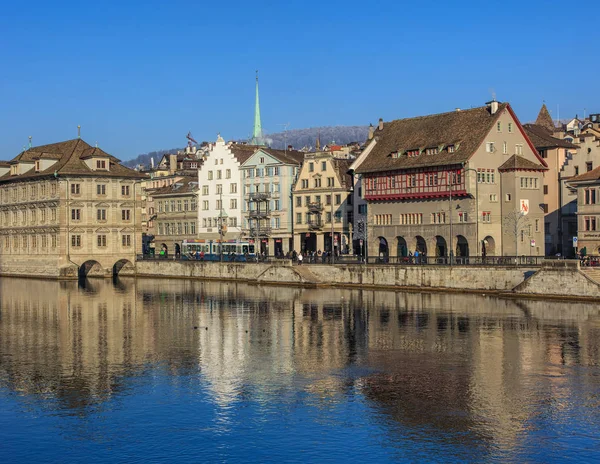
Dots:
pixel 149 371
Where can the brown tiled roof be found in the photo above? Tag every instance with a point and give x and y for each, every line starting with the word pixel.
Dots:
pixel 465 129
pixel 182 186
pixel 542 138
pixel 242 152
pixel 70 157
pixel 520 163
pixel 4 164
pixel 286 156
pixel 544 119
pixel 592 175
pixel 342 166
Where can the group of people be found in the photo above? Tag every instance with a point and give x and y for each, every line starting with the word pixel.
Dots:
pixel 313 256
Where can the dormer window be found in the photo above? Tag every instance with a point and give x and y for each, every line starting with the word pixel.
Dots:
pixel 451 148
pixel 412 153
pixel 395 154
pixel 37 166
pixel 14 170
pixel 100 164
pixel 432 151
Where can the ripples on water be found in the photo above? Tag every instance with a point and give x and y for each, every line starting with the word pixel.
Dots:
pixel 187 371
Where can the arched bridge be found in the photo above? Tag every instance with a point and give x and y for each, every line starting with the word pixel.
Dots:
pixel 99 266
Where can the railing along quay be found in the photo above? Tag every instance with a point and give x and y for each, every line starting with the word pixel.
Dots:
pixel 533 261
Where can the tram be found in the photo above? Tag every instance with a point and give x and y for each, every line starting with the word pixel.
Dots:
pixel 210 250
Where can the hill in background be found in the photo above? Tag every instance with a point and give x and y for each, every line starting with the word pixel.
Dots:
pixel 298 138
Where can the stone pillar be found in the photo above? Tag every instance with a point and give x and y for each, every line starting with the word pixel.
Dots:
pixel 297 243
pixel 320 241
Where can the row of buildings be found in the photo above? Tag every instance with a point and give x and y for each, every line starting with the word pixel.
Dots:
pixel 472 182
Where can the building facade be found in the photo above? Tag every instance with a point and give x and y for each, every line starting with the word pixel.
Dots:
pixel 463 183
pixel 268 177
pixel 323 208
pixel 68 207
pixel 587 189
pixel 176 216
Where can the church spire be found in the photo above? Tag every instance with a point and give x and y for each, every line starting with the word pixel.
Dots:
pixel 544 119
pixel 257 136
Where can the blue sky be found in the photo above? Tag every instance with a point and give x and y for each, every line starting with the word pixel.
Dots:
pixel 138 76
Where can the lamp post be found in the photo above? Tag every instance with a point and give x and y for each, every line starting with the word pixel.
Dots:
pixel 332 232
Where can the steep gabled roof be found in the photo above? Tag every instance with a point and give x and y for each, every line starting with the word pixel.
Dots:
pixel 543 138
pixel 544 119
pixel 185 185
pixel 286 156
pixel 465 129
pixel 70 156
pixel 516 162
pixel 242 152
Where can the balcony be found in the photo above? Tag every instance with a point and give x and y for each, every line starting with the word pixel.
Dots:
pixel 260 232
pixel 259 196
pixel 315 224
pixel 259 213
pixel 315 206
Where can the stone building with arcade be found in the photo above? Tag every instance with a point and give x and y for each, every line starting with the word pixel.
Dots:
pixel 68 209
pixel 463 183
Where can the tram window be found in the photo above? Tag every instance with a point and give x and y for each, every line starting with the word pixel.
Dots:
pixel 251 248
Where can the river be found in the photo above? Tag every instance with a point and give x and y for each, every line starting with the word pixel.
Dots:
pixel 187 371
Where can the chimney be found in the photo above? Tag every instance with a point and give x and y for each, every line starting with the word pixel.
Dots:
pixel 380 127
pixel 493 106
pixel 457 109
pixel 172 164
pixel 371 131
pixel 290 148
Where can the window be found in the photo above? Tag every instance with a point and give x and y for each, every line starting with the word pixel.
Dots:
pixel 505 148
pixel 311 167
pixel 576 170
pixel 518 149
pixel 277 205
pixel 462 216
pixel 100 164
pixel 317 182
pixel 486 216
pixel 219 189
pixel 330 182
pixel 298 218
pixel 590 196
pixel 76 214
pixel 545 190
pixel 125 190
pixel 451 148
pixel 75 241
pixel 233 203
pixel 101 189
pixel 362 209
pixel 510 127
pixel 54 241
pixel 193 228
pixel 125 214
pixel 53 214
pixel 499 126
pixel 173 206
pixel 219 205
pixel 126 240
pixel 193 204
pixel 276 170
pixel 589 223
pixel 537 225
pixel 75 189
pixel 179 207
pixel 205 190
pixel 338 199
pixel 298 201
pixel 543 153
pixel 410 219
pixel 489 147
pixel 205 205
pixel 166 206
pixel 493 198
pixel 101 215
pixel 227 173
pixel 328 217
pixel 530 183
pixel 101 241
pixel 218 174
pixel 438 218
pixel 323 165
pixel 210 175
pixel 260 172
pixel 588 166
pixel 328 200
pixel 307 200
pixel 305 183
pixel 186 205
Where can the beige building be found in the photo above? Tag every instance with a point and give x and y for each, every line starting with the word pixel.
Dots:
pixel 587 188
pixel 68 208
pixel 322 199
pixel 463 183
pixel 176 215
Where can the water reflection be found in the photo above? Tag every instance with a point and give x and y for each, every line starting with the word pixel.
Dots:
pixel 479 372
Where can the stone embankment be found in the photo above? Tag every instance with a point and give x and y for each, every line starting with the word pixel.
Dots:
pixel 558 279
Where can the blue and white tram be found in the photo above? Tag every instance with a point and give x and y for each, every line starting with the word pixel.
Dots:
pixel 210 250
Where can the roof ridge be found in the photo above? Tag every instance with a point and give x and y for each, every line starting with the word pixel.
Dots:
pixel 434 115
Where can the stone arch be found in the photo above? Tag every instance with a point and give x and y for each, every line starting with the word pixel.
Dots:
pixel 420 244
pixel 384 249
pixel 462 246
pixel 441 247
pixel 90 268
pixel 401 247
pixel 488 246
pixel 123 267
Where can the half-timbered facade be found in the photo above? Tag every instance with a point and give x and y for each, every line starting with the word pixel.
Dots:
pixel 433 184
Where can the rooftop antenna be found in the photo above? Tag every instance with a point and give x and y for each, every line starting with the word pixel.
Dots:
pixel 285 128
pixel 78 132
pixel 557 114
pixel 30 141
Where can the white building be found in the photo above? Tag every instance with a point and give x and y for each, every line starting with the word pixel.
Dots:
pixel 220 190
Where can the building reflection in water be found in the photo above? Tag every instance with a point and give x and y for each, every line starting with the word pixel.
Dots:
pixel 464 367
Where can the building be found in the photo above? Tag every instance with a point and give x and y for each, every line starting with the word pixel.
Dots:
pixel 557 153
pixel 176 215
pixel 220 194
pixel 462 183
pixel 587 190
pixel 322 199
pixel 268 177
pixel 68 207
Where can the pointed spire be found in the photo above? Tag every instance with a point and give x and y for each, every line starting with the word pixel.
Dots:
pixel 544 119
pixel 257 136
pixel 318 142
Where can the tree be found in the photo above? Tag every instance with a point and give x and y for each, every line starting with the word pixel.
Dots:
pixel 516 222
